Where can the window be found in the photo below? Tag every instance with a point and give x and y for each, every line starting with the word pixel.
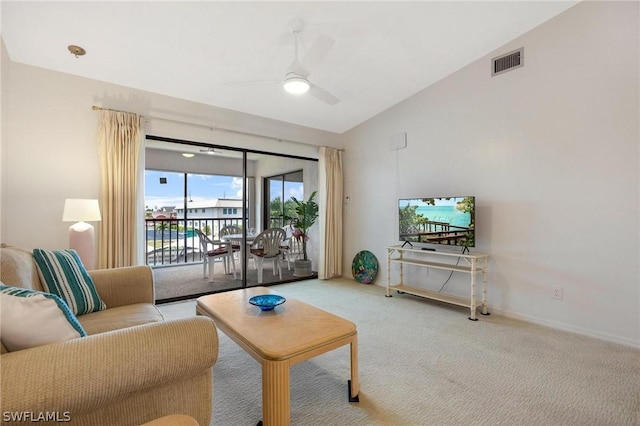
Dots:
pixel 279 190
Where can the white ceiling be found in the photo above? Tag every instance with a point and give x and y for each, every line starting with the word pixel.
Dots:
pixel 384 52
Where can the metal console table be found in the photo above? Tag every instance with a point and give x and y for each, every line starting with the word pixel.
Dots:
pixel 474 263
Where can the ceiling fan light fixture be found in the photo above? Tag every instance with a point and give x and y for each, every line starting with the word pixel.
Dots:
pixel 296 84
pixel 209 151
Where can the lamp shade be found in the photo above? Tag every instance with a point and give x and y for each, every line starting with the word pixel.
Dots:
pixel 81 210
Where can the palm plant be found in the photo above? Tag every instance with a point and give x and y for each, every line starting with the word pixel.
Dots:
pixel 305 214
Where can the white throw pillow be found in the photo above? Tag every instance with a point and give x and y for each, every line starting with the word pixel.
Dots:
pixel 31 318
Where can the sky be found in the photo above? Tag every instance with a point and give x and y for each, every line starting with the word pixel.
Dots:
pixel 200 188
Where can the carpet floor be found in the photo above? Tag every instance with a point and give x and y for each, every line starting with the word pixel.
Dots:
pixel 424 363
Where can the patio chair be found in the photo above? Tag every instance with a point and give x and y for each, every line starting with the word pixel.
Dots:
pixel 291 249
pixel 230 230
pixel 220 250
pixel 267 246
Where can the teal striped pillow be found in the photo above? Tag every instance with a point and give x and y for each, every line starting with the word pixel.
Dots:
pixel 32 318
pixel 62 273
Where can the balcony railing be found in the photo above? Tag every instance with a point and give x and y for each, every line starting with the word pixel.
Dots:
pixel 174 241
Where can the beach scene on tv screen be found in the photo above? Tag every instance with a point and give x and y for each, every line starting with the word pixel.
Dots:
pixel 447 220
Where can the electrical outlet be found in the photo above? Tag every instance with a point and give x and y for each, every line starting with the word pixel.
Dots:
pixel 557 292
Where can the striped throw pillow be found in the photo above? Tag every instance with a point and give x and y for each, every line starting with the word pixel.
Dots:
pixel 62 273
pixel 32 318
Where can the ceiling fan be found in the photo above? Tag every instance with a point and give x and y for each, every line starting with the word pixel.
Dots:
pixel 296 79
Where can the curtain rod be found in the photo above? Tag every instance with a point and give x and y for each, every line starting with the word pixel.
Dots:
pixel 213 127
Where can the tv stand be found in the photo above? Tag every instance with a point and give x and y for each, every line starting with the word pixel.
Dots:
pixel 474 263
pixel 405 243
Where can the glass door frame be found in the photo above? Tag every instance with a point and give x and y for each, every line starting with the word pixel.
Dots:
pixel 245 200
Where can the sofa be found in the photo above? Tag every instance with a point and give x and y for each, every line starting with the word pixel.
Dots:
pixel 131 368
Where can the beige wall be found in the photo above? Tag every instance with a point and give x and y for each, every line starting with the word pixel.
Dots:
pixel 550 150
pixel 49 148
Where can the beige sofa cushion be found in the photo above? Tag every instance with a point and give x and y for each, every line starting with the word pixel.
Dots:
pixel 120 317
pixel 124 377
pixel 19 269
pixel 128 292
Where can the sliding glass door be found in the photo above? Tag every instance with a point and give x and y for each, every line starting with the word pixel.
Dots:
pixel 195 193
pixel 192 194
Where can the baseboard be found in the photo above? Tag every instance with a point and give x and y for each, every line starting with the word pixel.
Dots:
pixel 567 327
pixel 561 326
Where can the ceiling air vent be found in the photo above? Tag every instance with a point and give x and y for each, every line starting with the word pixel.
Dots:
pixel 507 62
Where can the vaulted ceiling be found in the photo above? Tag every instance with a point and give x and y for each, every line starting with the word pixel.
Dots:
pixel 235 54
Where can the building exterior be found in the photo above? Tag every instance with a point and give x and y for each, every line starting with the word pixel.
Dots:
pixel 222 208
pixel 165 212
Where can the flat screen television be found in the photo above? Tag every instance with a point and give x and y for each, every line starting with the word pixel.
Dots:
pixel 439 220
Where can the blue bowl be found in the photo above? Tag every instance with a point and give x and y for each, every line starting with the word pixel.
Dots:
pixel 267 302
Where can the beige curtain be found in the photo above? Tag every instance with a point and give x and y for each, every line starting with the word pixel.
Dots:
pixel 119 149
pixel 330 212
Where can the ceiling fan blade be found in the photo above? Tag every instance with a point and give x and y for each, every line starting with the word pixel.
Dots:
pixel 251 82
pixel 317 52
pixel 323 95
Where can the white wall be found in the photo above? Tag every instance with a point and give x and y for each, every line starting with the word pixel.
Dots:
pixel 49 148
pixel 550 150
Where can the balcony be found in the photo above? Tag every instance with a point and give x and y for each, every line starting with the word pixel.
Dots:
pixel 175 242
pixel 174 252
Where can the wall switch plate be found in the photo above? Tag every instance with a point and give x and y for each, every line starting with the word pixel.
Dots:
pixel 556 292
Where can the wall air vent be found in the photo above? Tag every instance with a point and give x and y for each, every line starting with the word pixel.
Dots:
pixel 507 62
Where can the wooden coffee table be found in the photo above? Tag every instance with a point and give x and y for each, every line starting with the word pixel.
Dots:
pixel 291 333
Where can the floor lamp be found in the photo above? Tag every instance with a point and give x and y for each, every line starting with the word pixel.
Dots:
pixel 81 237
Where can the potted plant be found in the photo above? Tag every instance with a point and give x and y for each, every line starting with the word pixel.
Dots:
pixel 305 214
